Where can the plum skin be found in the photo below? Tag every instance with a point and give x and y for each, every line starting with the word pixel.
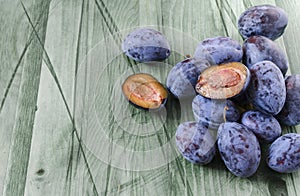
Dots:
pixel 264 126
pixel 195 142
pixel 239 149
pixel 266 20
pixel 146 45
pixel 260 48
pixel 219 50
pixel 266 90
pixel 284 153
pixel 290 113
pixel 211 112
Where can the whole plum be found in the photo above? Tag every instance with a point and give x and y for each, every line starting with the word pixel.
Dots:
pixel 219 50
pixel 195 142
pixel 146 45
pixel 183 77
pixel 239 149
pixel 284 153
pixel 213 112
pixel 290 113
pixel 264 126
pixel 259 48
pixel 266 90
pixel 266 20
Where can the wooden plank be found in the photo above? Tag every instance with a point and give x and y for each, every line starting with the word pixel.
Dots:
pixel 56 166
pixel 13 30
pixel 22 132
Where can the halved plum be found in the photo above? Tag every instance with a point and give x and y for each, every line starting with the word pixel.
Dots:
pixel 223 81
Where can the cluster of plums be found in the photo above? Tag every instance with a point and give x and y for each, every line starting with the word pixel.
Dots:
pixel 224 78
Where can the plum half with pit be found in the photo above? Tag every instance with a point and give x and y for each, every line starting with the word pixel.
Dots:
pixel 144 91
pixel 223 81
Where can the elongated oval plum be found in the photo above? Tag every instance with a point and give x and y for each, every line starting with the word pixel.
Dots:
pixel 144 91
pixel 264 126
pixel 146 45
pixel 259 48
pixel 266 90
pixel 284 153
pixel 214 112
pixel 219 50
pixel 239 149
pixel 290 113
pixel 183 77
pixel 195 142
pixel 223 81
pixel 266 20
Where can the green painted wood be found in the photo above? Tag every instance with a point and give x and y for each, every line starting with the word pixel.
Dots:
pixel 54 125
pixel 22 131
pixel 10 74
pixel 80 136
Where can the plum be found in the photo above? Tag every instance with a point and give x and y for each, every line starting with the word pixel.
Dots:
pixel 284 153
pixel 144 91
pixel 218 50
pixel 266 20
pixel 239 149
pixel 223 81
pixel 264 126
pixel 259 48
pixel 146 45
pixel 214 112
pixel 195 142
pixel 266 90
pixel 290 113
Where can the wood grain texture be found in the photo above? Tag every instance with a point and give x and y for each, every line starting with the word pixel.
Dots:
pixel 10 74
pixel 67 129
pixel 54 124
pixel 26 106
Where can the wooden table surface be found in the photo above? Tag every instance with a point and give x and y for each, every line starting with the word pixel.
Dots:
pixel 67 130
